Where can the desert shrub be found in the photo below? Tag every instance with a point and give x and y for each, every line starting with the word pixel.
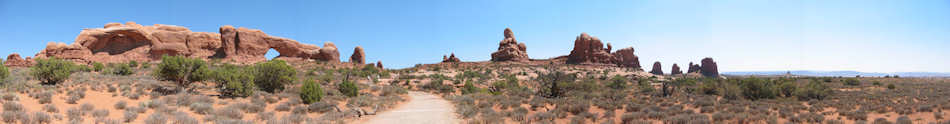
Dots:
pixel 904 120
pixel 311 92
pixel 469 88
pixel 44 97
pixel 891 86
pixel 41 118
pixel 182 70
pixel 876 83
pixel 234 81
pixel 852 82
pixel 577 106
pixel 130 115
pixel 96 66
pixel 271 76
pixel 87 107
pixel 4 72
pixel 265 116
pixel 282 107
pixel 51 71
pixel 321 107
pixel 201 108
pixel 50 108
pixel 755 88
pixel 786 89
pixel 10 116
pixel 12 106
pixel 121 105
pixel 133 64
pixel 551 84
pixel 74 114
pixel 184 119
pixel 729 90
pixel 348 88
pixel 156 118
pixel 813 90
pixel 122 69
pixel 229 112
pixel 436 84
pixel 618 82
pixel 393 90
pixel 100 113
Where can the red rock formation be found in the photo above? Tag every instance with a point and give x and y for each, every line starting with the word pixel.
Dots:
pixel 657 69
pixel 358 55
pixel 379 64
pixel 133 42
pixel 510 50
pixel 588 49
pixel 709 68
pixel 450 58
pixel 14 60
pixel 676 70
pixel 693 68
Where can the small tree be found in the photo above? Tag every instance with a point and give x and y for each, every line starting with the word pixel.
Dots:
pixel 271 76
pixel 852 82
pixel 234 81
pixel 813 90
pixel 122 69
pixel 96 66
pixel 551 84
pixel 311 92
pixel 348 88
pixel 51 71
pixel 182 70
pixel 4 72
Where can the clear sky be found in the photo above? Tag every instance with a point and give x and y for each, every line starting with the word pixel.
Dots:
pixel 745 35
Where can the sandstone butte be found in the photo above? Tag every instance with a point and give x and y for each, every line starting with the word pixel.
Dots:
pixel 116 43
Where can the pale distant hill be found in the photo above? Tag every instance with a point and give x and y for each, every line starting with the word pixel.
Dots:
pixel 841 73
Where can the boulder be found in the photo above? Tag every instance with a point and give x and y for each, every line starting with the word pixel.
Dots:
pixel 14 60
pixel 328 53
pixel 510 50
pixel 657 69
pixel 709 68
pixel 451 58
pixel 676 70
pixel 693 68
pixel 358 56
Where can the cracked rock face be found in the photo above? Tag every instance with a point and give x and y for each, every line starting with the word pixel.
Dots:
pixel 510 50
pixel 117 42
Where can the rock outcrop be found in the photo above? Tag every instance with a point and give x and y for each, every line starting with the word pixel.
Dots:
pixel 133 42
pixel 358 56
pixel 709 68
pixel 14 60
pixel 676 70
pixel 510 50
pixel 693 68
pixel 657 69
pixel 450 58
pixel 589 49
pixel 379 64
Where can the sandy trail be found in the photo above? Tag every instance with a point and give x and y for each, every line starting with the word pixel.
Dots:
pixel 422 108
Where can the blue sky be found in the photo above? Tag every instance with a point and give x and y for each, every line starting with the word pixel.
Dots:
pixel 860 35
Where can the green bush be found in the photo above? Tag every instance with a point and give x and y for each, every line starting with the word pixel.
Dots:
pixel 469 88
pixel 552 84
pixel 96 66
pixel 618 82
pixel 852 82
pixel 755 88
pixel 311 92
pixel 4 72
pixel 133 64
pixel 436 84
pixel 234 80
pixel 182 70
pixel 348 88
pixel 122 69
pixel 271 76
pixel 891 86
pixel 876 83
pixel 52 70
pixel 813 90
pixel 786 89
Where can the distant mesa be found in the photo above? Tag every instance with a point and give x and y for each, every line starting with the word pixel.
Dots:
pixel 657 69
pixel 590 50
pixel 510 50
pixel 450 58
pixel 358 56
pixel 676 70
pixel 14 60
pixel 117 42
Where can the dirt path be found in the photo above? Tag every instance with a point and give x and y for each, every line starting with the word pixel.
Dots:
pixel 422 108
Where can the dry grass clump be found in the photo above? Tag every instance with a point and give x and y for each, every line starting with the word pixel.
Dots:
pixel 156 118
